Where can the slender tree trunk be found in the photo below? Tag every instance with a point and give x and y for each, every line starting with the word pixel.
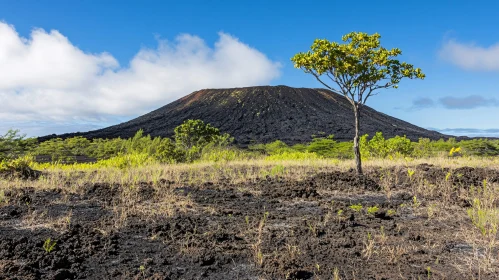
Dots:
pixel 356 145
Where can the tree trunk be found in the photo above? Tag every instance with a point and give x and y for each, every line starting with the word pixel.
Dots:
pixel 356 145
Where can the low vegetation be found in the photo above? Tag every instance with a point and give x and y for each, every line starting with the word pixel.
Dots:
pixel 195 141
pixel 196 206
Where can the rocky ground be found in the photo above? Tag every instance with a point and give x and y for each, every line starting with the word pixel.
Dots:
pixel 334 225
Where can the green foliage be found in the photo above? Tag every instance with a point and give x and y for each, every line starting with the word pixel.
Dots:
pixel 356 207
pixel 322 146
pixel 49 245
pixel 127 161
pixel 13 145
pixel 64 150
pixel 19 167
pixel 423 148
pixel 479 147
pixel 274 148
pixel 193 136
pixel 358 65
pixel 299 147
pixel 106 148
pixel 486 219
pixel 165 151
pixel 277 170
pixel 379 147
pixel 318 148
pixel 224 154
pixel 391 212
pixel 372 210
pixel 293 156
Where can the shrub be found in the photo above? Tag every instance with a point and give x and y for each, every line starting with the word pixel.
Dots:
pixel 13 145
pixel 19 167
pixel 293 156
pixel 422 148
pixel 379 147
pixel 217 154
pixel 322 146
pixel 193 136
pixel 127 161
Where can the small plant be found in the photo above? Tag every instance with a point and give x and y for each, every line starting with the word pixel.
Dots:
pixel 368 246
pixel 410 173
pixel 356 207
pixel 485 219
pixel 372 210
pixel 415 202
pixel 257 246
pixel 391 212
pixel 431 210
pixel 312 229
pixel 49 245
pixel 382 235
pixel 277 170
pixel 455 152
pixel 142 269
pixel 336 274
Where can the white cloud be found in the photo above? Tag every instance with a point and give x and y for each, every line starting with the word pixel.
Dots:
pixel 45 77
pixel 471 56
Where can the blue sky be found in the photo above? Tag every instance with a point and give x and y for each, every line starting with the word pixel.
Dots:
pixel 80 65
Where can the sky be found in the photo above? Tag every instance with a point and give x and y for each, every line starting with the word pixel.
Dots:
pixel 68 66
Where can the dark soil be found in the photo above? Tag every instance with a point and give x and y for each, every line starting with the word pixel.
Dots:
pixel 264 114
pixel 270 228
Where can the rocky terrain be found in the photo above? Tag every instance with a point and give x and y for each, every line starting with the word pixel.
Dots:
pixel 328 225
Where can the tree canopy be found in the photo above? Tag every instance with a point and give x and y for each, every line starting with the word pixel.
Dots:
pixel 359 67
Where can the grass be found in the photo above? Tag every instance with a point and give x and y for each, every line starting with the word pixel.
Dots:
pixel 429 203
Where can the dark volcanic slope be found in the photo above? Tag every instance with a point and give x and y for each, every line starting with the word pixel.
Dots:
pixel 264 114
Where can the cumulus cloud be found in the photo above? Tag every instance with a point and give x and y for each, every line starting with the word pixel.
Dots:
pixel 467 102
pixel 422 103
pixel 471 56
pixel 46 77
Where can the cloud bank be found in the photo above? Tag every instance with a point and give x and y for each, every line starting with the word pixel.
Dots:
pixel 47 78
pixel 471 132
pixel 471 56
pixel 467 102
pixel 455 103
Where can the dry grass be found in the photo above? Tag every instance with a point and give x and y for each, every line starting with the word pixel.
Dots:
pixel 435 202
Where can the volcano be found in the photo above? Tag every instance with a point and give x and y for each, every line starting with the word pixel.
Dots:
pixel 264 114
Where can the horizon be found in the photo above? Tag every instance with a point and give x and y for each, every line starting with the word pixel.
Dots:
pixel 69 67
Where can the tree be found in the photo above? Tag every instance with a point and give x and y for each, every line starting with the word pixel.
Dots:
pixel 193 136
pixel 13 144
pixel 359 67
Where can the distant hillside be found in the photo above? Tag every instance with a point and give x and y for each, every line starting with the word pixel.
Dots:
pixel 264 114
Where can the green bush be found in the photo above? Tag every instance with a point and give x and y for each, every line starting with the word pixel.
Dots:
pixel 379 147
pixel 293 156
pixel 127 161
pixel 322 146
pixel 479 147
pixel 193 136
pixel 14 145
pixel 422 148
